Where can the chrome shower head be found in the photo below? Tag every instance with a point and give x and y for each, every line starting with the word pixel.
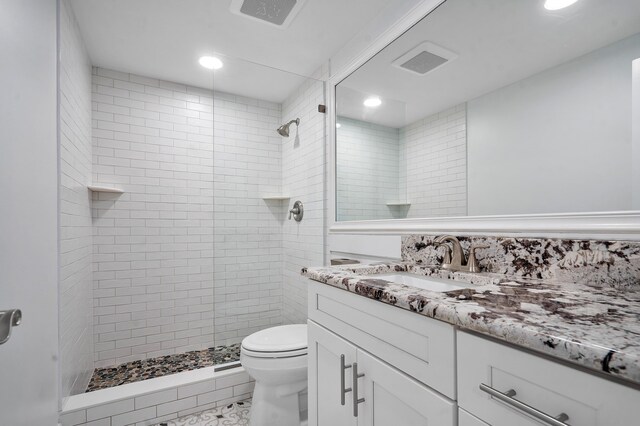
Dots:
pixel 284 129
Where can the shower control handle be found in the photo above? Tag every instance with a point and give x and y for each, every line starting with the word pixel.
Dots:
pixel 297 211
pixel 8 320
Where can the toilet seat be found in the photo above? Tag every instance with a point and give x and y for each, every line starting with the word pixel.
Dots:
pixel 286 354
pixel 284 341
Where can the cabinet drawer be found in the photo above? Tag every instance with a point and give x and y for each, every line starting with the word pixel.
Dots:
pixel 419 346
pixel 544 385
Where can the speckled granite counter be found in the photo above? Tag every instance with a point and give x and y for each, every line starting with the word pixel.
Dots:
pixel 596 327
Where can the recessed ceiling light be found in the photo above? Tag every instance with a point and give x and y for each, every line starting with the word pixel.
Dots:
pixel 373 101
pixel 338 125
pixel 558 4
pixel 210 62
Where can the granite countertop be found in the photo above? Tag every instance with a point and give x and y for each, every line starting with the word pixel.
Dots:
pixel 596 327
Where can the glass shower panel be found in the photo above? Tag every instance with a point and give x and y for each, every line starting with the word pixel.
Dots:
pixel 258 175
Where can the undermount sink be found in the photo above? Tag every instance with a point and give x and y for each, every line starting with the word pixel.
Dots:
pixel 423 282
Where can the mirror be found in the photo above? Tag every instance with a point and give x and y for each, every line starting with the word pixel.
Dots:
pixel 495 107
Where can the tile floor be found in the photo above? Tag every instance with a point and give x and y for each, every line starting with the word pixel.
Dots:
pixel 136 371
pixel 236 414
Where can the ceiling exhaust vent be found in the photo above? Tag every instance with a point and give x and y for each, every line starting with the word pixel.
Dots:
pixel 424 58
pixel 279 13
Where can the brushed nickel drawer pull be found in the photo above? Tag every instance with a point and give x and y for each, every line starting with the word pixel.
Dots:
pixel 343 390
pixel 356 401
pixel 507 398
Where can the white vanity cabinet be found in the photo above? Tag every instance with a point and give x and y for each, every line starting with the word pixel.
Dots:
pixel 352 336
pixel 409 364
pixel 349 386
pixel 534 390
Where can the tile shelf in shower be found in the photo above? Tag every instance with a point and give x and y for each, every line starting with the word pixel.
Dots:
pixel 275 197
pixel 101 188
pixel 398 203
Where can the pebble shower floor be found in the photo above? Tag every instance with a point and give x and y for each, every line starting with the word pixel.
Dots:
pixel 136 371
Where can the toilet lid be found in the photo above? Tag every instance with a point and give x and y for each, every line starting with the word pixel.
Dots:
pixel 284 338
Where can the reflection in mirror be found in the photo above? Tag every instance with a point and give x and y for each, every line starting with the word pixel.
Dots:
pixel 495 107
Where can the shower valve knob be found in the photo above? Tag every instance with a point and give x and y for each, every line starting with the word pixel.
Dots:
pixel 297 211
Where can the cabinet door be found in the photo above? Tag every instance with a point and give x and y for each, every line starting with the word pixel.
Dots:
pixel 466 419
pixel 328 373
pixel 392 398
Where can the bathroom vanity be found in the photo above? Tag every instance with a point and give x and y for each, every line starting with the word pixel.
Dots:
pixel 447 357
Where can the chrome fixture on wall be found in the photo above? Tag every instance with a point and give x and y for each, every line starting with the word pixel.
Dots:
pixel 297 211
pixel 284 129
pixel 8 320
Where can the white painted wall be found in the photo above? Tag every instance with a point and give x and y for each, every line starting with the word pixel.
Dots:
pixel 28 211
pixel 558 141
pixel 367 170
pixel 303 177
pixel 76 232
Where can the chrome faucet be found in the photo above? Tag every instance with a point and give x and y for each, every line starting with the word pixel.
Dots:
pixel 454 258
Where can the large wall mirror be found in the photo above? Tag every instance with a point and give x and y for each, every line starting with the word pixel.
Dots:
pixel 495 107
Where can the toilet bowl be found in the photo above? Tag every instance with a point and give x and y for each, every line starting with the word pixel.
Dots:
pixel 276 358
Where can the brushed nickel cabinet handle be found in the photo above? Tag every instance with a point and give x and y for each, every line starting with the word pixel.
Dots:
pixel 343 390
pixel 356 400
pixel 507 398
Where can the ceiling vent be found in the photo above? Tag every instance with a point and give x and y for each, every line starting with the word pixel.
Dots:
pixel 424 58
pixel 278 13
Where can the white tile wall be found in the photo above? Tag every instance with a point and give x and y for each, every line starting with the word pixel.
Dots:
pixel 167 402
pixel 76 304
pixel 434 158
pixel 303 176
pixel 248 229
pixel 367 168
pixel 153 245
pixel 190 236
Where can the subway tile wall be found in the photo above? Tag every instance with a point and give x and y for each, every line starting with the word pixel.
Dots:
pixel 303 177
pixel 434 164
pixel 367 168
pixel 424 163
pixel 153 245
pixel 191 236
pixel 169 403
pixel 76 286
pixel 248 229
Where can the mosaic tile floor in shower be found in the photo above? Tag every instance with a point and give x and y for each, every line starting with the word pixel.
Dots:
pixel 136 371
pixel 236 414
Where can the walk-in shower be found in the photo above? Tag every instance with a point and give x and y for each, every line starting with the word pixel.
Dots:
pixel 183 246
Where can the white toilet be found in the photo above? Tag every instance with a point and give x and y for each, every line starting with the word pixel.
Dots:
pixel 276 358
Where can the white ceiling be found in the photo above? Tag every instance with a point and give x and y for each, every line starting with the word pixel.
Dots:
pixel 498 42
pixel 164 39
